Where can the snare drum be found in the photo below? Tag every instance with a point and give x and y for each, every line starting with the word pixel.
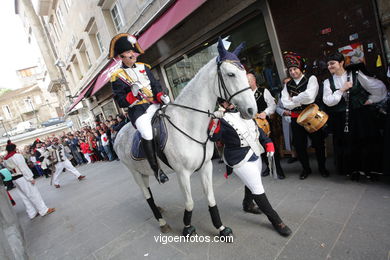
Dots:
pixel 312 118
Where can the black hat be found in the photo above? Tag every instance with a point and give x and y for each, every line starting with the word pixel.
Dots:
pixel 123 42
pixel 337 56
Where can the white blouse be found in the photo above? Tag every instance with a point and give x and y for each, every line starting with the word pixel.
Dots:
pixel 271 105
pixel 375 87
pixel 304 98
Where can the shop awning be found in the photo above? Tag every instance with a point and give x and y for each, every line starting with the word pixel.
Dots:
pixel 169 19
pixel 82 94
pixel 104 76
pixel 176 13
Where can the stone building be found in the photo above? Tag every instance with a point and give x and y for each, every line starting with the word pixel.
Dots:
pixel 179 37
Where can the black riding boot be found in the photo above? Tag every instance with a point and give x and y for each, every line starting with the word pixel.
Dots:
pixel 150 154
pixel 264 205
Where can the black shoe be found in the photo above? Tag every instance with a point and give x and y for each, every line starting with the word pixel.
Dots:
pixel 304 175
pixel 161 177
pixel 324 173
pixel 265 172
pixel 281 176
pixel 251 208
pixel 292 160
pixel 282 229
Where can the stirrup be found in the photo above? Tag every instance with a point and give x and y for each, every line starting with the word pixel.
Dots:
pixel 161 177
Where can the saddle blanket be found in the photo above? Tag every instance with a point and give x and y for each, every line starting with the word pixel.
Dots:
pixel 159 135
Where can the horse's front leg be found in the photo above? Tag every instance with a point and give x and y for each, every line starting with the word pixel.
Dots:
pixel 143 183
pixel 206 173
pixel 185 185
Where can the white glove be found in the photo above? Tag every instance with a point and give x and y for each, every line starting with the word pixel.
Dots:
pixel 270 154
pixel 165 99
pixel 219 113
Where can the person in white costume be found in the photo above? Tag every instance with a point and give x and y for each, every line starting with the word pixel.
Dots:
pixel 62 162
pixel 25 184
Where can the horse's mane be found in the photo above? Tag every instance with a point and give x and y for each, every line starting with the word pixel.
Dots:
pixel 189 91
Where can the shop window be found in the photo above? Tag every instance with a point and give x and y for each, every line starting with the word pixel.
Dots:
pixel 109 109
pixel 256 57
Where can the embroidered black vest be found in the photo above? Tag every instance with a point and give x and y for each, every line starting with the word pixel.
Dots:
pixel 357 95
pixel 294 89
pixel 259 96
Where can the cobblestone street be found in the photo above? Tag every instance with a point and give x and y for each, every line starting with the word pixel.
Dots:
pixel 106 217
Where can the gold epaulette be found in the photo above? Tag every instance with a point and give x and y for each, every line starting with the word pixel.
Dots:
pixel 147 65
pixel 114 75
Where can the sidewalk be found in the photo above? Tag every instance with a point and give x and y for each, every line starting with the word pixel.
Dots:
pixel 106 217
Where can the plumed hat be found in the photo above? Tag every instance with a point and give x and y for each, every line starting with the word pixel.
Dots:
pixel 123 42
pixel 291 59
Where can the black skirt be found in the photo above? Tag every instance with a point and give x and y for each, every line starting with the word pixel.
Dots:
pixel 360 148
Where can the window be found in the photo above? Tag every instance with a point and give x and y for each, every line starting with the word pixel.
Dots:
pixel 88 59
pixel 67 4
pixel 60 18
pixel 256 56
pixel 116 17
pixel 55 31
pixel 28 104
pixel 7 112
pixel 38 100
pixel 99 42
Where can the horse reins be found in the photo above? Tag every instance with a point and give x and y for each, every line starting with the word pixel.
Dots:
pixel 221 86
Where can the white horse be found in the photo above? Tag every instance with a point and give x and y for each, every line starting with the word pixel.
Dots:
pixel 222 77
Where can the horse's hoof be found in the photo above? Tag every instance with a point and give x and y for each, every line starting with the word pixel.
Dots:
pixel 227 233
pixel 189 231
pixel 160 209
pixel 165 229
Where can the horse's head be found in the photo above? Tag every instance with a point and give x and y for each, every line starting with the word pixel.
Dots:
pixel 233 82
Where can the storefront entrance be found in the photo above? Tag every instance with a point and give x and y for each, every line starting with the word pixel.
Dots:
pixel 256 57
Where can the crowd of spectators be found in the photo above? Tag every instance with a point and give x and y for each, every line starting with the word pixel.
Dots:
pixel 84 146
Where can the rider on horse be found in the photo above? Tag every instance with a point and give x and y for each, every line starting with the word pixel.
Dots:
pixel 135 87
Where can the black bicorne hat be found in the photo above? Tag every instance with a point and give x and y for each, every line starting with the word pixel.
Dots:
pixel 123 42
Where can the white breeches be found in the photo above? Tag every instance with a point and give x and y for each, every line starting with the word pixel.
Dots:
pixel 60 166
pixel 250 175
pixel 144 122
pixel 31 198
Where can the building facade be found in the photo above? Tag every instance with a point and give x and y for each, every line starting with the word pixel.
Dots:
pixel 180 36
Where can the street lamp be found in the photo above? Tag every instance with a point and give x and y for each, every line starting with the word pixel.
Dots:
pixel 2 123
pixel 33 109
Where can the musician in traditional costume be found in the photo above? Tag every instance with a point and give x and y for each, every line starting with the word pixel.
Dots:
pixel 134 87
pixel 266 107
pixel 242 152
pixel 297 94
pixel 349 95
pixel 58 156
pixel 25 183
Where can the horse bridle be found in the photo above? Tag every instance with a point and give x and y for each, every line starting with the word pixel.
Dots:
pixel 222 85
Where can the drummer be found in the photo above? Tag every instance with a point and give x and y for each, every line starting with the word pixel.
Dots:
pixel 266 107
pixel 297 94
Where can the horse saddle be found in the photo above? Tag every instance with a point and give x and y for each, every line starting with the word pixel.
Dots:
pixel 160 136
